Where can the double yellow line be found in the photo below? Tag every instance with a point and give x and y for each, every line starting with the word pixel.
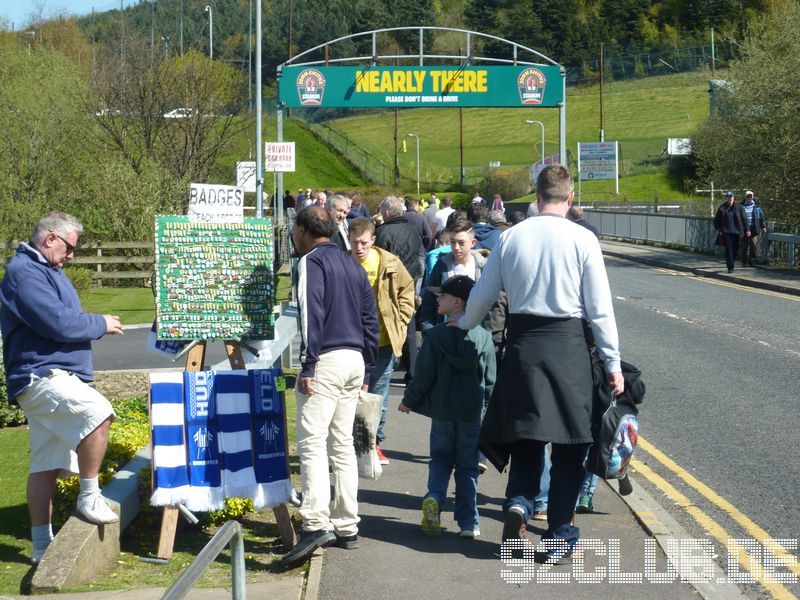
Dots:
pixel 778 591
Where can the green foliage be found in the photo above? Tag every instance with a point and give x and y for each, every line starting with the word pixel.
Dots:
pixel 10 415
pixel 235 508
pixel 751 143
pixel 508 182
pixel 129 433
pixel 42 148
pixel 81 277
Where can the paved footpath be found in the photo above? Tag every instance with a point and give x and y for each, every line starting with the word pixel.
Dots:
pixel 396 560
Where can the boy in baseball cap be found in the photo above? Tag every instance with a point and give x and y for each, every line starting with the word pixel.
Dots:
pixel 452 384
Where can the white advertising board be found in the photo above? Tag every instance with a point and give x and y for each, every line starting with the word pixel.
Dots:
pixel 246 175
pixel 209 203
pixel 279 157
pixel 679 146
pixel 597 160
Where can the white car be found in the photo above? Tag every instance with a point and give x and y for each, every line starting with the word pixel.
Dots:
pixel 180 113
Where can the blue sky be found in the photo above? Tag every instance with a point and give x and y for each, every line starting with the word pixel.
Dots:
pixel 19 11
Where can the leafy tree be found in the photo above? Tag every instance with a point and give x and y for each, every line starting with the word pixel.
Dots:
pixel 752 142
pixel 42 153
pixel 133 103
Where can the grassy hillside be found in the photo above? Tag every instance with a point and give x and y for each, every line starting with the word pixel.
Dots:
pixel 641 114
pixel 316 165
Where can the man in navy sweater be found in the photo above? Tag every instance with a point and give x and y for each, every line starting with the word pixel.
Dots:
pixel 47 356
pixel 339 329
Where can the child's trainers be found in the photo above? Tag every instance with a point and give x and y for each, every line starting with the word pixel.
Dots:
pixel 584 504
pixel 430 517
pixel 469 534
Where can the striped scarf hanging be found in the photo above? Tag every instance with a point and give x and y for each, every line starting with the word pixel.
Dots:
pixel 218 435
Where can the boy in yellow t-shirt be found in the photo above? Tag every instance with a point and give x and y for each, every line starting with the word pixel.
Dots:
pixel 394 295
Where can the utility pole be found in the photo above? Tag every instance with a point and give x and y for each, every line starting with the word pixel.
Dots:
pixel 210 12
pixel 602 80
pixel 713 55
pixel 250 58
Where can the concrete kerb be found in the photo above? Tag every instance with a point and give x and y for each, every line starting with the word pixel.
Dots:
pixel 660 525
pixel 81 550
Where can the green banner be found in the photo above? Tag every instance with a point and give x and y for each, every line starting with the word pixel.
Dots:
pixel 213 280
pixel 361 87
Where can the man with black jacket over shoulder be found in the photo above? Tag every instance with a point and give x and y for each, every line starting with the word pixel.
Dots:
pixel 339 329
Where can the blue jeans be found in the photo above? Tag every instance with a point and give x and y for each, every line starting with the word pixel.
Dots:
pixel 379 381
pixel 540 502
pixel 454 446
pixel 524 475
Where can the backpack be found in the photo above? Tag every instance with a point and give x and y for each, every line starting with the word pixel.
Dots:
pixel 615 423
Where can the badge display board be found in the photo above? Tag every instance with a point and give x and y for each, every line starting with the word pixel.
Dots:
pixel 214 281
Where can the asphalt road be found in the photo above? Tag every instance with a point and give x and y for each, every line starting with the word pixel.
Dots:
pixel 114 352
pixel 721 366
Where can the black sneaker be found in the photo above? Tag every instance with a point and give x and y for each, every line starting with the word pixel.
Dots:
pixel 348 542
pixel 306 545
pixel 625 486
pixel 514 526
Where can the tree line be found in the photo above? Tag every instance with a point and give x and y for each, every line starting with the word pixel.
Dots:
pixel 569 31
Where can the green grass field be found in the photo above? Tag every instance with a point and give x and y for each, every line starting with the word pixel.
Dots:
pixel 132 305
pixel 317 166
pixel 640 114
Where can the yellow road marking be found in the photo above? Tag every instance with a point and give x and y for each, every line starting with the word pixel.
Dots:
pixel 728 284
pixel 776 590
pixel 747 524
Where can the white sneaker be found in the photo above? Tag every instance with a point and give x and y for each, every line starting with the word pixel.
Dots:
pixel 95 510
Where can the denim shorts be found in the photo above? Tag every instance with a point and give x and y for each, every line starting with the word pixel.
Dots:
pixel 61 411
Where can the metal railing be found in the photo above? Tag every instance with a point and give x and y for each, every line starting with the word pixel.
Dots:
pixel 230 532
pixel 692 232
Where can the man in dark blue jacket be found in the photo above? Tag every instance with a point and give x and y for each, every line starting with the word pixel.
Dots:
pixel 339 329
pixel 47 356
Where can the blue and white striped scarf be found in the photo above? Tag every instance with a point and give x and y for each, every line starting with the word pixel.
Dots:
pixel 234 440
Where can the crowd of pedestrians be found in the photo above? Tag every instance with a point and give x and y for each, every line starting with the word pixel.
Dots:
pixel 504 367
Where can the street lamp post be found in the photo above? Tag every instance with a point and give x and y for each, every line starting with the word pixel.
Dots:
pixel 529 122
pixel 210 31
pixel 416 137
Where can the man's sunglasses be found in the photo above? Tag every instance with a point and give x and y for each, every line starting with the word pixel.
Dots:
pixel 70 247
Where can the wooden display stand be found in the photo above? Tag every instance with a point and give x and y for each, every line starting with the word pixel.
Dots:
pixel 194 362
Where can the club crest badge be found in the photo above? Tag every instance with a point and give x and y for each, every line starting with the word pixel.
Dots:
pixel 531 84
pixel 311 87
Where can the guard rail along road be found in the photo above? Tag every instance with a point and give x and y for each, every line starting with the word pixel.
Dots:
pixel 697 233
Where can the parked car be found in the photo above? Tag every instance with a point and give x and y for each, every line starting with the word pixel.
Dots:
pixel 180 113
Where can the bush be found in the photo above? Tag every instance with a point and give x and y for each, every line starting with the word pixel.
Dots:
pixel 510 183
pixel 129 432
pixel 10 416
pixel 80 277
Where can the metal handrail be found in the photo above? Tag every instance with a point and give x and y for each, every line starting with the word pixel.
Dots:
pixel 230 532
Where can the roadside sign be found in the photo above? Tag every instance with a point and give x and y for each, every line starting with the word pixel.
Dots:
pixel 246 175
pixel 597 160
pixel 279 157
pixel 679 146
pixel 210 203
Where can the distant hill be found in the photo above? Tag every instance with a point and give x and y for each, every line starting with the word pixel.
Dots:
pixel 640 114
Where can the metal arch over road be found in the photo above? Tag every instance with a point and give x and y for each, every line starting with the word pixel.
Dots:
pixel 308 80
